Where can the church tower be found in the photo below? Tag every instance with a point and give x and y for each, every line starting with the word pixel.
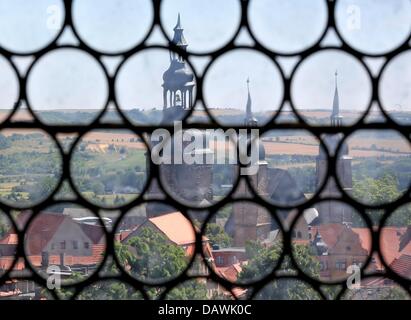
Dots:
pixel 248 221
pixel 336 118
pixel 191 183
pixel 178 81
pixel 331 212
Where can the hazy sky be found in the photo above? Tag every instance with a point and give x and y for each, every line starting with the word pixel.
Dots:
pixel 73 80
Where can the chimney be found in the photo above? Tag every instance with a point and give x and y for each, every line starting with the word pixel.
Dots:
pixel 62 259
pixel 44 259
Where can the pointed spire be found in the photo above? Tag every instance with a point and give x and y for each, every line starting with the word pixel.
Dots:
pixel 248 107
pixel 178 25
pixel 336 101
pixel 336 118
pixel 178 38
pixel 249 118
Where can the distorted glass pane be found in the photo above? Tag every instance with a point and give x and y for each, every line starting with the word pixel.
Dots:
pixel 30 167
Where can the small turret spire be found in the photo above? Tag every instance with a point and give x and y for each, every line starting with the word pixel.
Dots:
pixel 178 79
pixel 178 25
pixel 248 108
pixel 249 118
pixel 336 118
pixel 178 39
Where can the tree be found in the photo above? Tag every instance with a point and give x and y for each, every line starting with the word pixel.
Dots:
pixel 262 260
pixel 375 191
pixel 394 292
pixel 43 189
pixel 109 290
pixel 189 290
pixel 156 257
pixel 400 217
pixel 218 236
pixel 129 178
pixel 97 187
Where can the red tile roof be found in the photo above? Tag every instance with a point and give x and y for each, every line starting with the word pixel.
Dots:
pixel 394 242
pixel 402 266
pixel 333 234
pixel 5 262
pixel 95 258
pixel 176 227
pixel 94 232
pixel 43 228
pixel 41 231
pixel 122 235
pixel 239 292
pixel 390 240
pixel 365 237
pixel 229 273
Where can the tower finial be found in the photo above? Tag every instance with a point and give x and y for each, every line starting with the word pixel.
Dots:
pixel 336 78
pixel 336 118
pixel 178 25
pixel 178 40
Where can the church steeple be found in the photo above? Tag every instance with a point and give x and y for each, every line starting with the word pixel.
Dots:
pixel 179 82
pixel 178 38
pixel 336 118
pixel 330 211
pixel 249 118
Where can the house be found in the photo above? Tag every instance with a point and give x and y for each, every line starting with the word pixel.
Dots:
pixel 226 257
pixel 53 236
pixel 337 246
pixel 51 239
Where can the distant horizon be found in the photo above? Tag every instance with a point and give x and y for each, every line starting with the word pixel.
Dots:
pixel 68 77
pixel 342 110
